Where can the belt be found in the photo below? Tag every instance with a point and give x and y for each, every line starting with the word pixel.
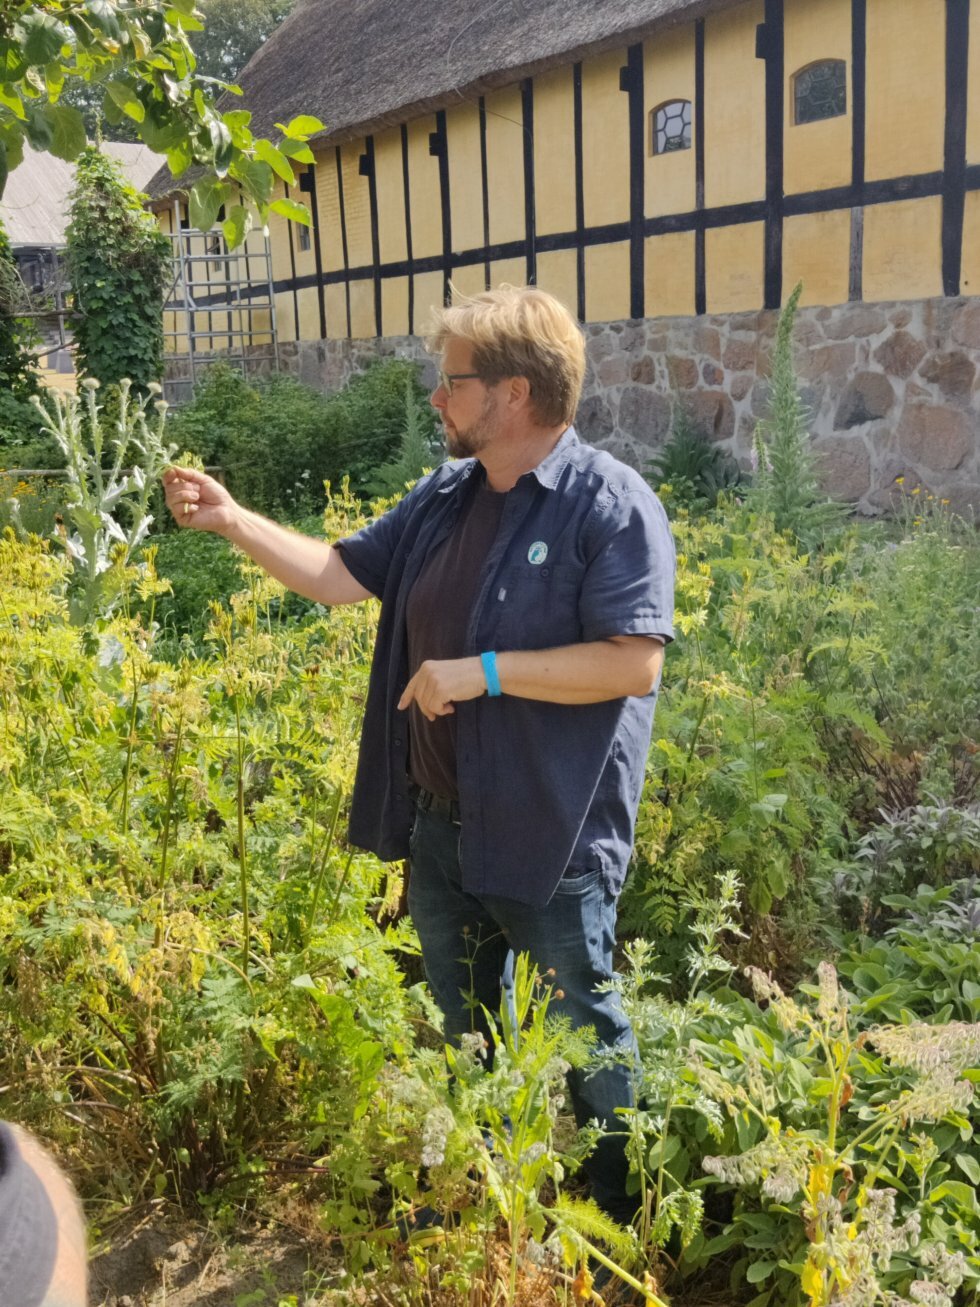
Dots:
pixel 448 809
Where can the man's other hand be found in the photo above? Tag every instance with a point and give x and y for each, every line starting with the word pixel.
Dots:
pixel 197 500
pixel 436 686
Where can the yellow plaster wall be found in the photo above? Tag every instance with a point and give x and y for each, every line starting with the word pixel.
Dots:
pixel 669 274
pixel 816 155
pixel 465 181
pixel 607 282
pixel 390 181
pixel 906 87
pixel 428 296
pixel 510 272
pixel 470 280
pixel 970 271
pixel 903 250
pixel 605 140
pixel 668 74
pixel 423 181
pixel 734 108
pixel 328 207
pixel 558 274
pixel 335 308
pixel 309 314
pixel 362 317
pixel 394 306
pixel 973 96
pixel 817 251
pixel 357 205
pixel 285 317
pixel 505 165
pixel 554 152
pixel 733 259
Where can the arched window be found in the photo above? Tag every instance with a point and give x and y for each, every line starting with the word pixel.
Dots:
pixel 670 127
pixel 820 91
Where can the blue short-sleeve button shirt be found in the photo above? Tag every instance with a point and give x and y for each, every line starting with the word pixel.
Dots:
pixel 583 552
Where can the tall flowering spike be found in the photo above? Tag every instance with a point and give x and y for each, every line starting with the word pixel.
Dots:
pixel 828 997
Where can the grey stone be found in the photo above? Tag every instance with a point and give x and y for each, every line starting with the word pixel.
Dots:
pixel 940 438
pixel 844 466
pixel 854 320
pixel 740 385
pixel 614 370
pixel 712 411
pixel 832 361
pixel 683 372
pixel 964 499
pixel 644 415
pixel 707 340
pixel 867 398
pixel 965 325
pixel 739 355
pixel 712 374
pixel 900 354
pixel 594 420
pixel 644 371
pixel 953 372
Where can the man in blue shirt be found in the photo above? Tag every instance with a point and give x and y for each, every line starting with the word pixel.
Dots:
pixel 526 595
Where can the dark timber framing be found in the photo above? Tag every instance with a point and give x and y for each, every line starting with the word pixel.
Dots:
pixel 439 146
pixel 292 267
pixel 700 284
pixel 343 237
pixel 859 115
pixel 408 230
pixel 631 81
pixel 307 183
pixel 954 160
pixel 579 243
pixel 773 52
pixel 485 186
pixel 530 219
pixel 367 169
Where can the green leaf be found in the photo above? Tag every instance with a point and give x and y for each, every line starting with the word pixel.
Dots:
pixel 256 178
pixel 206 199
pixel 12 101
pixel 43 38
pixel 67 130
pixel 759 1271
pixel 237 225
pixel 970 1167
pixel 125 97
pixel 292 210
pixel 301 126
pixel 297 150
pixel 276 160
pixel 103 14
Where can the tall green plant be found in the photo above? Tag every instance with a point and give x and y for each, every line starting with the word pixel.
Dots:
pixel 17 376
pixel 787 485
pixel 118 260
pixel 416 454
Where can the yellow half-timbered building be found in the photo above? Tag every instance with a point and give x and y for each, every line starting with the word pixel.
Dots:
pixel 638 159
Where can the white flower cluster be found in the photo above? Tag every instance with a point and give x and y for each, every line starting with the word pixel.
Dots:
pixel 922 1047
pixel 779 1164
pixel 438 1126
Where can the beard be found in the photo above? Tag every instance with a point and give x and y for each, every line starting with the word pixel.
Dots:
pixel 467 442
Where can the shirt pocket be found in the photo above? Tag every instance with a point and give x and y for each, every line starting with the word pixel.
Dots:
pixel 536 607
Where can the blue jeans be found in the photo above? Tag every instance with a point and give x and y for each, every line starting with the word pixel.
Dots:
pixel 468 947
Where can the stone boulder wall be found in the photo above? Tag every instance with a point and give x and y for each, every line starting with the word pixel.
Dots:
pixel 893 389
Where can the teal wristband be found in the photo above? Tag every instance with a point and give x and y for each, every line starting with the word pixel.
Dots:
pixel 489 661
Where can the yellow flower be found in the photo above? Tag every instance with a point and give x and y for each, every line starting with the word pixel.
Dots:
pixel 917 490
pixel 900 481
pixel 944 501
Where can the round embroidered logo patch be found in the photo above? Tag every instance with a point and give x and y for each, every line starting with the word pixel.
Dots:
pixel 538 552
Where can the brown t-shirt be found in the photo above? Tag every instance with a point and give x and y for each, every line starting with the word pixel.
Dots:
pixel 438 614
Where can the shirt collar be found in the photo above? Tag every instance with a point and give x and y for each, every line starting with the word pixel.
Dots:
pixel 548 471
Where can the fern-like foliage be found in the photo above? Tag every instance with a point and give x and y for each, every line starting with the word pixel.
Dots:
pixel 692 467
pixel 416 453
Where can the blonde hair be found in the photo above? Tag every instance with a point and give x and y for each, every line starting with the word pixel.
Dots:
pixel 520 331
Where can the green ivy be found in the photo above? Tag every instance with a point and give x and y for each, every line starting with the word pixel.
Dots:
pixel 17 376
pixel 118 260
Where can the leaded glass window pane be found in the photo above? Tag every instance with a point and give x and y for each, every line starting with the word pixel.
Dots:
pixel 821 91
pixel 672 127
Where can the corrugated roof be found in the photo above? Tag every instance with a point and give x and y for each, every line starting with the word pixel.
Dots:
pixel 362 65
pixel 35 200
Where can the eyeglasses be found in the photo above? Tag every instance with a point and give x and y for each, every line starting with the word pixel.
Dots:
pixel 446 379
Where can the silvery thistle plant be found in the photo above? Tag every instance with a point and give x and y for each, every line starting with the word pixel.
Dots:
pixel 98 537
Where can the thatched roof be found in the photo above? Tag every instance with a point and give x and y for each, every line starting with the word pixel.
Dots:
pixel 34 207
pixel 363 65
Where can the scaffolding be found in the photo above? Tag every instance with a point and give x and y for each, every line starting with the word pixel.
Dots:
pixel 220 307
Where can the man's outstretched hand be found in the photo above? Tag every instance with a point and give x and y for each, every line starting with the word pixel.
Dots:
pixel 197 500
